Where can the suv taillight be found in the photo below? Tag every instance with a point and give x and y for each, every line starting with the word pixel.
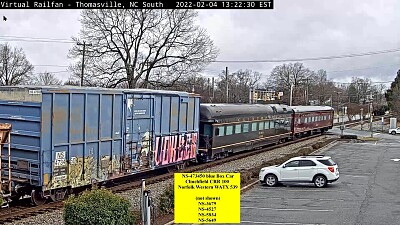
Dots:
pixel 331 168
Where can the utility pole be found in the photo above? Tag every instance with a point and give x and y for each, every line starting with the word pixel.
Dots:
pixel 250 89
pixel 226 80
pixel 291 94
pixel 307 92
pixel 83 59
pixel 212 83
pixel 338 105
pixel 370 116
pixel 208 87
pixel 361 118
pixel 342 128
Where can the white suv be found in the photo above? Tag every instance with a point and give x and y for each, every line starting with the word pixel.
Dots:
pixel 316 169
pixel 394 131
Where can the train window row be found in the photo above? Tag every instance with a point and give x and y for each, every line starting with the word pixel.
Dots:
pixel 310 119
pixel 243 128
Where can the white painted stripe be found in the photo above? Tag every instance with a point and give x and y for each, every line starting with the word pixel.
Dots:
pixel 294 189
pixel 308 210
pixel 277 223
pixel 355 176
pixel 295 199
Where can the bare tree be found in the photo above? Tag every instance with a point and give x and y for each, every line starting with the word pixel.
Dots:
pixel 286 75
pixel 71 82
pixel 141 47
pixel 14 67
pixel 321 89
pixel 359 90
pixel 239 84
pixel 46 78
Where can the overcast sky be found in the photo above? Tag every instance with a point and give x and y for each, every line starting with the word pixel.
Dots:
pixel 294 29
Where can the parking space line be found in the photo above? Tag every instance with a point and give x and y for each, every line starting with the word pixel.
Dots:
pixel 361 176
pixel 299 190
pixel 277 223
pixel 308 210
pixel 299 199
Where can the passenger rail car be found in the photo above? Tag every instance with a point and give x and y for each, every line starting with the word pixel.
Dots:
pixel 309 119
pixel 68 137
pixel 232 128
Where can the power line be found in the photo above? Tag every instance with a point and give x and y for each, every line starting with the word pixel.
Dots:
pixel 63 71
pixel 51 65
pixel 366 68
pixel 311 58
pixel 55 39
pixel 44 41
pixel 34 39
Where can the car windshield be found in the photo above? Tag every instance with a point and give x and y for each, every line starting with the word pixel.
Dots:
pixel 327 162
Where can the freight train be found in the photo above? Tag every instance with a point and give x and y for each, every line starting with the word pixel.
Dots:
pixel 65 138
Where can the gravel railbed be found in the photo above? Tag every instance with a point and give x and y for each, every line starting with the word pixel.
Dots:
pixel 56 217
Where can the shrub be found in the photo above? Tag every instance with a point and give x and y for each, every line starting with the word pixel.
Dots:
pixel 348 136
pixel 100 207
pixel 166 202
pixel 245 177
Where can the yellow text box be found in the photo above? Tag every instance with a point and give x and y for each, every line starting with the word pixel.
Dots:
pixel 207 197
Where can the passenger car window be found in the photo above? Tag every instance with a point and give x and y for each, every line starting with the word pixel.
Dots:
pixel 220 131
pixel 254 126
pixel 245 127
pixel 294 163
pixel 266 125
pixel 271 124
pixel 238 128
pixel 229 130
pixel 307 163
pixel 261 125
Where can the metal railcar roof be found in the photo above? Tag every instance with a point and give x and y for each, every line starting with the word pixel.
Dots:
pixel 66 88
pixel 311 108
pixel 214 111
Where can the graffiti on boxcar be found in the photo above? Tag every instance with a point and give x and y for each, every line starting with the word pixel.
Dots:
pixel 176 148
pixel 80 171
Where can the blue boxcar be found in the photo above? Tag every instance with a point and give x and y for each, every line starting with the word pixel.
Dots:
pixel 67 137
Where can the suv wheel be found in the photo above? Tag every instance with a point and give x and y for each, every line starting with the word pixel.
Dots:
pixel 320 181
pixel 393 132
pixel 271 180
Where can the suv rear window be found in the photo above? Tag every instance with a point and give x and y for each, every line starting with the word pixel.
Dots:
pixel 327 162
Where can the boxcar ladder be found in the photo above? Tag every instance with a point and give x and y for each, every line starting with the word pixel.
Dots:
pixel 5 138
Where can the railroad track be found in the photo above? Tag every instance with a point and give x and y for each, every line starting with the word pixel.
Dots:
pixel 23 210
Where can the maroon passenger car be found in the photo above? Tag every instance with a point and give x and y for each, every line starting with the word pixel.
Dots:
pixel 311 119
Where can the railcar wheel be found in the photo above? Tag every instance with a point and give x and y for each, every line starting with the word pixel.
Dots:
pixel 16 197
pixel 37 198
pixel 58 195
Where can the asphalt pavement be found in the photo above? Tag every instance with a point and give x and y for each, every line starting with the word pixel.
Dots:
pixel 367 192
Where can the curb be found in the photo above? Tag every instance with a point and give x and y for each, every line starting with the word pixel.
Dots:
pixel 326 147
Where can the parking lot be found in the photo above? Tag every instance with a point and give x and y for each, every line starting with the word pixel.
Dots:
pixel 368 191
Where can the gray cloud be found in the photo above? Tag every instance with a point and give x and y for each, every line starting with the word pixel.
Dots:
pixel 294 29
pixel 298 29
